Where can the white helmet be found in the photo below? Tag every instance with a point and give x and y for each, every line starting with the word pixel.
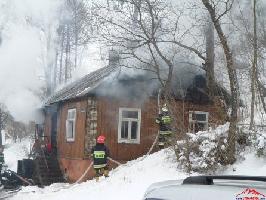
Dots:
pixel 164 108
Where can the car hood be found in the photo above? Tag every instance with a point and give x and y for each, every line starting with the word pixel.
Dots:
pixel 174 190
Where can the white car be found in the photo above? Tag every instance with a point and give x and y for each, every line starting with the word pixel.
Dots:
pixel 209 188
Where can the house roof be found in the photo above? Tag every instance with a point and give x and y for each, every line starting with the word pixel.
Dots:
pixel 114 82
pixel 81 86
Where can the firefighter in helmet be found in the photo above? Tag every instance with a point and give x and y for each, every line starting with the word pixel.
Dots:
pixel 2 161
pixel 100 153
pixel 164 120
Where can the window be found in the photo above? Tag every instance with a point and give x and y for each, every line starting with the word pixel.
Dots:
pixel 198 121
pixel 129 125
pixel 70 125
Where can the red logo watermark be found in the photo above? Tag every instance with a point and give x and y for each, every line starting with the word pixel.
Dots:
pixel 250 194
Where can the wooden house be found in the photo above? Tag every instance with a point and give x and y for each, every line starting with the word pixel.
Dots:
pixel 122 107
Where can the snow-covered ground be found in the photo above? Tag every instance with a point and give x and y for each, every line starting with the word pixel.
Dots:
pixel 125 182
pixel 132 179
pixel 128 181
pixel 252 165
pixel 16 151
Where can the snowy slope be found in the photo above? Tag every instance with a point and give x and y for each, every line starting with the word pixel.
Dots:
pixel 252 165
pixel 16 151
pixel 130 181
pixel 125 182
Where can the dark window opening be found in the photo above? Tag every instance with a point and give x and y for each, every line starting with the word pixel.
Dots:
pixel 134 129
pixel 124 130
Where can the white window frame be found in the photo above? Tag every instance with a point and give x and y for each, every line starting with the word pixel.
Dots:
pixel 191 121
pixel 68 138
pixel 129 140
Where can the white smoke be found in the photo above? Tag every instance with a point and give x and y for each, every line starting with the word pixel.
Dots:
pixel 23 53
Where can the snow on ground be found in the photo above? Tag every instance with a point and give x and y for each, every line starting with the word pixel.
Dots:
pixel 16 151
pixel 125 182
pixel 130 180
pixel 252 165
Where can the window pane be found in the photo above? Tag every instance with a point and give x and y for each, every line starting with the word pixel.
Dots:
pixel 70 129
pixel 134 129
pixel 201 117
pixel 130 114
pixel 124 130
pixel 71 114
pixel 200 127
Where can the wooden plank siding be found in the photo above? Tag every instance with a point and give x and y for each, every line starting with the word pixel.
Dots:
pixel 108 118
pixel 216 110
pixel 72 155
pixel 107 124
pixel 75 149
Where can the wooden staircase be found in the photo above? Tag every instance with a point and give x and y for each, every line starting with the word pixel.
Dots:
pixel 47 170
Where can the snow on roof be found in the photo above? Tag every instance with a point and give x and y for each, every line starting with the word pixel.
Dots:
pixel 81 86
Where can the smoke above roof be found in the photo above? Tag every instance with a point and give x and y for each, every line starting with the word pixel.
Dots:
pixel 139 84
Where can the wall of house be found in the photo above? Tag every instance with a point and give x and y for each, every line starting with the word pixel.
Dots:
pixel 216 110
pixel 75 168
pixel 71 154
pixel 75 149
pixel 74 156
pixel 108 118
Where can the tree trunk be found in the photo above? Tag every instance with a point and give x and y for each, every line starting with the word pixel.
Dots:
pixel 233 83
pixel 254 66
pixel 61 56
pixel 67 64
pixel 210 58
pixel 76 36
pixel 55 71
pixel 1 127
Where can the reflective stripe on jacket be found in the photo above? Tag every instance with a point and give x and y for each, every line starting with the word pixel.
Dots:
pixel 99 166
pixel 99 154
pixel 165 132
pixel 166 119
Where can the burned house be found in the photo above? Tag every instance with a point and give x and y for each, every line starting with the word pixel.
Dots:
pixel 122 106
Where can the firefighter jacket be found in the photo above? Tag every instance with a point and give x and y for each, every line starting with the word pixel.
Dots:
pixel 99 154
pixel 164 120
pixel 2 160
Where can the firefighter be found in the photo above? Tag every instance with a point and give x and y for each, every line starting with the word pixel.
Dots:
pixel 2 161
pixel 164 120
pixel 100 153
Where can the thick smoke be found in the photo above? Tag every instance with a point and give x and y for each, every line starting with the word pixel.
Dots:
pixel 22 53
pixel 139 85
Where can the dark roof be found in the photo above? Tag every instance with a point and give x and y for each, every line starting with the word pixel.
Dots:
pixel 188 84
pixel 80 87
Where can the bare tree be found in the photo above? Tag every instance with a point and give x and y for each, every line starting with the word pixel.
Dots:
pixel 73 35
pixel 3 120
pixel 254 65
pixel 209 63
pixel 154 38
pixel 216 19
pixel 142 35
